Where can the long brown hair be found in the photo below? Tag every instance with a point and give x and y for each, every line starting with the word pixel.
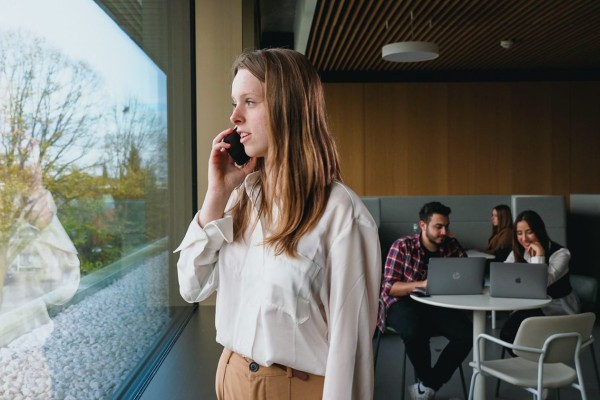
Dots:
pixel 303 160
pixel 504 218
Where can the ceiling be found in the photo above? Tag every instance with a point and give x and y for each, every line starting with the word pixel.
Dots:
pixel 552 39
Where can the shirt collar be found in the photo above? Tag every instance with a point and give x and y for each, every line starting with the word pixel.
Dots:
pixel 252 188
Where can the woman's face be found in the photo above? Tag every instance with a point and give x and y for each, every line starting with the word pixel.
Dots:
pixel 494 217
pixel 525 235
pixel 250 113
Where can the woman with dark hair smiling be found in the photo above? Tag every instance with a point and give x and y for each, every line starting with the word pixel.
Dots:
pixel 531 244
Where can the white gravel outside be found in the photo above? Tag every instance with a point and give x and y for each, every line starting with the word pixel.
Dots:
pixel 87 350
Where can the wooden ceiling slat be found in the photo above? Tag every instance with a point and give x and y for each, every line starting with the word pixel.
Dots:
pixel 529 52
pixel 360 35
pixel 364 10
pixel 320 30
pixel 485 38
pixel 347 35
pixel 345 13
pixel 342 43
pixel 375 28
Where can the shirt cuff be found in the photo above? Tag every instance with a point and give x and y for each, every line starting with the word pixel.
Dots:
pixel 538 260
pixel 214 233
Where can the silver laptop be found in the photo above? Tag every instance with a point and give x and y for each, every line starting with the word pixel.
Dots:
pixel 518 280
pixel 455 275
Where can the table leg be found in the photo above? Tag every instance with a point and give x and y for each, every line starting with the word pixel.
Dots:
pixel 479 318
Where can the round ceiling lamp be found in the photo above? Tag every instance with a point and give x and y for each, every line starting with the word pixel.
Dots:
pixel 410 51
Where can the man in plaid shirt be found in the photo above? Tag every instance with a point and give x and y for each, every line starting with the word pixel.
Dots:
pixel 405 271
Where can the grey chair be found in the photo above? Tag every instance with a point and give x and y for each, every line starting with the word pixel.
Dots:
pixel 586 288
pixel 390 330
pixel 543 347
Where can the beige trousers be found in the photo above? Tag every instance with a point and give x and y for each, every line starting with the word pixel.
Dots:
pixel 236 381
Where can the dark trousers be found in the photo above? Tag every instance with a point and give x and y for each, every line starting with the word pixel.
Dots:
pixel 416 323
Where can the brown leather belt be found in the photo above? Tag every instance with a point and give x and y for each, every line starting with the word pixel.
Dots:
pixel 295 373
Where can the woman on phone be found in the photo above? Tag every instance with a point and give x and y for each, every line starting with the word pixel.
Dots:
pixel 531 244
pixel 293 253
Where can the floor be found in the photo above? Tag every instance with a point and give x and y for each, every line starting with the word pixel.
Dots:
pixel 189 369
pixel 389 372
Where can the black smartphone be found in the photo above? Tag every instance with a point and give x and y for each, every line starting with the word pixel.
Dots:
pixel 420 292
pixel 236 151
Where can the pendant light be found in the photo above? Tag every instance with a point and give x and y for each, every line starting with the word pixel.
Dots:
pixel 411 51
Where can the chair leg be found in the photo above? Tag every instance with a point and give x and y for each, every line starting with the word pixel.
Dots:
pixel 472 384
pixel 595 363
pixel 378 342
pixel 498 380
pixel 403 376
pixel 462 380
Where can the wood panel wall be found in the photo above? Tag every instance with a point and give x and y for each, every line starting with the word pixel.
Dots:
pixel 467 138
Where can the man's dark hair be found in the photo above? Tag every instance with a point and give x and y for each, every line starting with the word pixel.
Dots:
pixel 435 207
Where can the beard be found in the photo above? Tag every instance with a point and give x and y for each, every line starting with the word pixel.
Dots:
pixel 437 240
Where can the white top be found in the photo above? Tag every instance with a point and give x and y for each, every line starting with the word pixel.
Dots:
pixel 558 266
pixel 316 313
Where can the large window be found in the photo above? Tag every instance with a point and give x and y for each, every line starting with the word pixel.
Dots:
pixel 84 194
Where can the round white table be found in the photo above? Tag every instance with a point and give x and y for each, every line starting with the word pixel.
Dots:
pixel 479 253
pixel 480 304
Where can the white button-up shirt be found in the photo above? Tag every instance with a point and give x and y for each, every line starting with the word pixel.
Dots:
pixel 315 312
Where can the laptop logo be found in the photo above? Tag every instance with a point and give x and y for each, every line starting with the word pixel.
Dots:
pixel 456 276
pixel 518 280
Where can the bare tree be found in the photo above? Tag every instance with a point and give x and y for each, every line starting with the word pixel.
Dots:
pixel 134 141
pixel 50 98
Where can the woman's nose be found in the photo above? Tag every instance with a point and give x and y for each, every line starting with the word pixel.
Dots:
pixel 235 117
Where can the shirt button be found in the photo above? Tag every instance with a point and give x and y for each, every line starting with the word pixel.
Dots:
pixel 253 366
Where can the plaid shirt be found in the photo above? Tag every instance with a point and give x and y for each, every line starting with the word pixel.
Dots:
pixel 406 263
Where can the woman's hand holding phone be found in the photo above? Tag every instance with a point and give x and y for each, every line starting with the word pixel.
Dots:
pixel 223 177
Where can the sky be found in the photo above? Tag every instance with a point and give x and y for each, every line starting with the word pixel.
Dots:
pixel 80 29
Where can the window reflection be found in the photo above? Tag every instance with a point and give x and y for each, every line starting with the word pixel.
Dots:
pixel 83 201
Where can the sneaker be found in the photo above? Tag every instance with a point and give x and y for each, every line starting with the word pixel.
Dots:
pixel 418 391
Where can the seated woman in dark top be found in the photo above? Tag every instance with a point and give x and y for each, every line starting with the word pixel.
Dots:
pixel 531 244
pixel 500 243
